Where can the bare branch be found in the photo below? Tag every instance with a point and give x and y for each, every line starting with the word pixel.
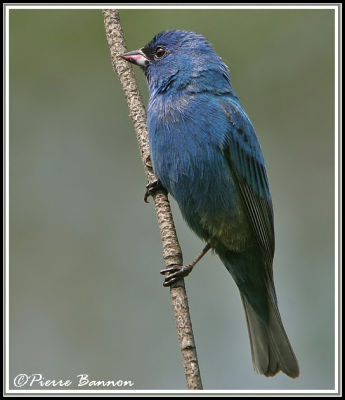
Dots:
pixel 171 249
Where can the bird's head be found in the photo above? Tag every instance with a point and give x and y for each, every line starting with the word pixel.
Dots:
pixel 181 60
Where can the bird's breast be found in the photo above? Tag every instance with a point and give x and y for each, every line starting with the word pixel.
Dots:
pixel 187 158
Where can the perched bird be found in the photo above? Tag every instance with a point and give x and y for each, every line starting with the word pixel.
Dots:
pixel 205 153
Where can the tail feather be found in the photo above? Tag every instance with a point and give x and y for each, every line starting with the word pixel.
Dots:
pixel 270 346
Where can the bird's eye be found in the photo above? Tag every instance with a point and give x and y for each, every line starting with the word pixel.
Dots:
pixel 159 52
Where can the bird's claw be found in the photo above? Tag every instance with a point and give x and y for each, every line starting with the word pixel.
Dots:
pixel 151 188
pixel 175 273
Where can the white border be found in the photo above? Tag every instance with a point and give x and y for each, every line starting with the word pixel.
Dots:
pixel 134 392
pixel 336 197
pixel 176 7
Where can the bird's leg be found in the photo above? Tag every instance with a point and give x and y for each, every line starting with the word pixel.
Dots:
pixel 176 272
pixel 152 187
pixel 148 163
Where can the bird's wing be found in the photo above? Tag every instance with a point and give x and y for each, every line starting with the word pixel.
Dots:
pixel 244 155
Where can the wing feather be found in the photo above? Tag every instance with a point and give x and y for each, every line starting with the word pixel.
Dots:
pixel 245 159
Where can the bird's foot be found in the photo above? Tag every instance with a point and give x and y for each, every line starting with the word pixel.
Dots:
pixel 175 273
pixel 151 188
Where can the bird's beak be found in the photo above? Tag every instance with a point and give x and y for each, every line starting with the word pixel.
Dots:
pixel 136 57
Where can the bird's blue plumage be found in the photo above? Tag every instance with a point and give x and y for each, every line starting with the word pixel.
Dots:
pixel 205 152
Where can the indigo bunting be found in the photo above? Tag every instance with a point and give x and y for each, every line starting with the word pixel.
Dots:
pixel 205 153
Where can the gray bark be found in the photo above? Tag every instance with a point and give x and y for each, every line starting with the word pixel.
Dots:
pixel 171 249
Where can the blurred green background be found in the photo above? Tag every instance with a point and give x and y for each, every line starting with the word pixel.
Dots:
pixel 86 295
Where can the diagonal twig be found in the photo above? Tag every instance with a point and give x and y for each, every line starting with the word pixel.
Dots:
pixel 171 249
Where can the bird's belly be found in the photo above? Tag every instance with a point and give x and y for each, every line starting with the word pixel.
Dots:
pixel 200 180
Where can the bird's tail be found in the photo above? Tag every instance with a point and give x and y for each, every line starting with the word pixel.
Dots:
pixel 270 346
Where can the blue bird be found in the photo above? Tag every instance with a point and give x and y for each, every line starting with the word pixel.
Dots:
pixel 205 153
